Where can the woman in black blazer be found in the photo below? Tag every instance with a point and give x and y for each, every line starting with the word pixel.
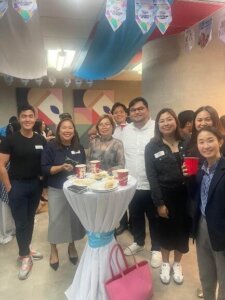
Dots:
pixel 208 190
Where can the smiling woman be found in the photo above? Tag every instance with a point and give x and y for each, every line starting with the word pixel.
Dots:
pixel 57 163
pixel 163 159
pixel 208 191
pixel 105 148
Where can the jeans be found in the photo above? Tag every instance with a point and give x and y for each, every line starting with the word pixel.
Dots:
pixel 24 198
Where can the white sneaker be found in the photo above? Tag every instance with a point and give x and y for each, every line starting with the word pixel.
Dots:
pixel 25 268
pixel 177 273
pixel 133 249
pixel 156 259
pixel 165 273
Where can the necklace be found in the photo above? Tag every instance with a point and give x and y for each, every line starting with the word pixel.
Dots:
pixel 172 144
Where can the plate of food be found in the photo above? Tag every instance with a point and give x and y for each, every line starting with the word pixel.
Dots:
pixel 82 181
pixel 100 175
pixel 104 186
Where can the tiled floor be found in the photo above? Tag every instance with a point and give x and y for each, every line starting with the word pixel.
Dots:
pixel 46 284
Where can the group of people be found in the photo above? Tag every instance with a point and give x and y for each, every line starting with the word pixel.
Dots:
pixel 176 205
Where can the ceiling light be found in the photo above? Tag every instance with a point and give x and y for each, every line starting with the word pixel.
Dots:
pixel 60 59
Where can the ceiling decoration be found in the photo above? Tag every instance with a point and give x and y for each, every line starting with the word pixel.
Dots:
pixel 108 51
pixel 186 14
pixel 75 25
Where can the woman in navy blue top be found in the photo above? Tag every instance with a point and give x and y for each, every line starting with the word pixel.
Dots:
pixel 208 190
pixel 64 225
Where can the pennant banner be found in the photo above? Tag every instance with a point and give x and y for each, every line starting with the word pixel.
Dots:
pixel 8 79
pixel 163 15
pixel 221 28
pixel 205 33
pixel 116 13
pixel 24 81
pixel 89 82
pixel 3 7
pixel 67 81
pixel 189 39
pixel 39 81
pixel 78 82
pixel 25 8
pixel 144 14
pixel 52 80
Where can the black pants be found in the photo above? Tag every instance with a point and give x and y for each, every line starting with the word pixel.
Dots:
pixel 140 206
pixel 24 199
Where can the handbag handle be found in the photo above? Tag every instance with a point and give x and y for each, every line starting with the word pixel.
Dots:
pixel 119 249
pixel 122 253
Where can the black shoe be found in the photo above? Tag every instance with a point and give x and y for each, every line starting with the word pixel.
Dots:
pixel 54 266
pixel 121 229
pixel 73 259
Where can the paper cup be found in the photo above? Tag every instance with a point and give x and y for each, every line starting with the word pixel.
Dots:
pixel 95 166
pixel 114 172
pixel 122 176
pixel 80 171
pixel 191 165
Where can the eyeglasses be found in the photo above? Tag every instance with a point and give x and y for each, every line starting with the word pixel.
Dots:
pixel 139 109
pixel 105 125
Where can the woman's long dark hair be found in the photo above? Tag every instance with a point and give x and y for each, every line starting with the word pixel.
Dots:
pixel 75 142
pixel 215 123
pixel 38 126
pixel 212 130
pixel 158 135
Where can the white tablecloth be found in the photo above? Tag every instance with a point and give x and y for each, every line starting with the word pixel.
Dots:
pixel 98 212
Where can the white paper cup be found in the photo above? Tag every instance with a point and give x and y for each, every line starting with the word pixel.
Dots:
pixel 80 171
pixel 95 166
pixel 122 176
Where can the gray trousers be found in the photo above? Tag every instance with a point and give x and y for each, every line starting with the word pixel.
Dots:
pixel 211 265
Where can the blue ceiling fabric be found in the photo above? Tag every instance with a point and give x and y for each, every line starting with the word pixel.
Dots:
pixel 109 52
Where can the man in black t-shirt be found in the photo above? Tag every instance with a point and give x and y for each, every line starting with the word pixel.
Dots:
pixel 23 182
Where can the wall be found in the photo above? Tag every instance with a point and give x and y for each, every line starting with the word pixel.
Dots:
pixel 124 92
pixel 7 105
pixel 182 80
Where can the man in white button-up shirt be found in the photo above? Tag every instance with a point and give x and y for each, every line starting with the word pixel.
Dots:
pixel 135 138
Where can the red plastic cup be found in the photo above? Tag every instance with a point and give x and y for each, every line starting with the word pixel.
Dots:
pixel 122 176
pixel 95 166
pixel 80 171
pixel 191 165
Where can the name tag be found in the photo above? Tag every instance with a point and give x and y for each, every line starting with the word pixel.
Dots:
pixel 159 154
pixel 75 152
pixel 38 147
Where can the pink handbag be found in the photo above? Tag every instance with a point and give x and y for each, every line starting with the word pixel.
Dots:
pixel 132 283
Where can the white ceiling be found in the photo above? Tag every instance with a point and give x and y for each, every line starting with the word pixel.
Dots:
pixel 68 23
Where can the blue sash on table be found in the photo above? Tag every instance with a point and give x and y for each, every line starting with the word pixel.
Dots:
pixel 99 239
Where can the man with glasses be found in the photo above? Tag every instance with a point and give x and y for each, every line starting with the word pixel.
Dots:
pixel 136 136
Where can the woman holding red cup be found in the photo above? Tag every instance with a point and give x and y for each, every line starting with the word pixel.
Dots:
pixel 208 191
pixel 205 116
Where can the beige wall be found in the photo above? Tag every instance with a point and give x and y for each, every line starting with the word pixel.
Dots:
pixel 7 105
pixel 182 80
pixel 124 92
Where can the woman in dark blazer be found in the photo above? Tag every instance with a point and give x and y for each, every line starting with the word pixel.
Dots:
pixel 57 163
pixel 163 161
pixel 208 190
